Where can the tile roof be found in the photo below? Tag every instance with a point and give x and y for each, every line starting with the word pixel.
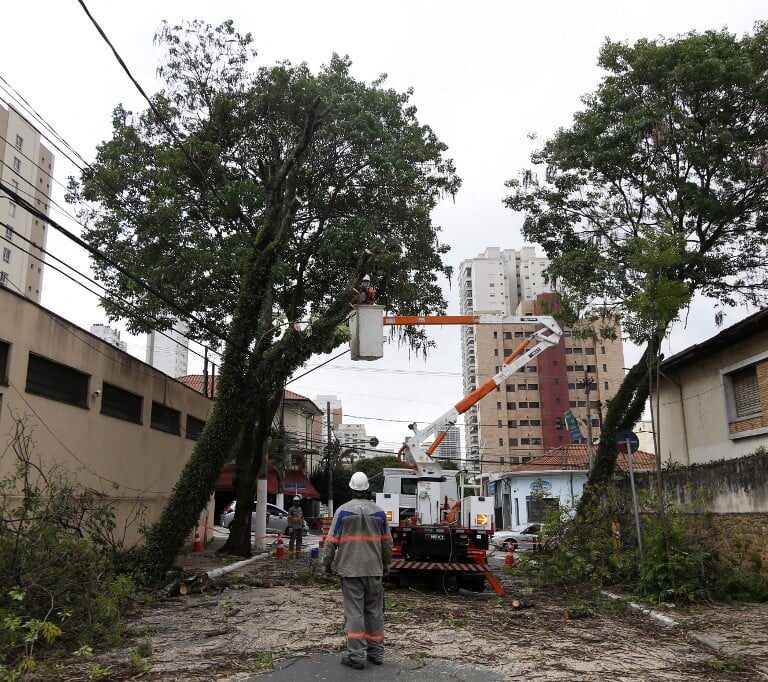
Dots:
pixel 195 381
pixel 575 457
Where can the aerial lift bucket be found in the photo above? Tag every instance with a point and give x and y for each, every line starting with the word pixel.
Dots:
pixel 366 325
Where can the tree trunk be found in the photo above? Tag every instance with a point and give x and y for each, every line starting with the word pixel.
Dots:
pixel 624 409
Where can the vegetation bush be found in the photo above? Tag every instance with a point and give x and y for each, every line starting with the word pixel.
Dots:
pixel 679 562
pixel 58 583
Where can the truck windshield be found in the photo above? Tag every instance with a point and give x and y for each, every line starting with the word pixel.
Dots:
pixel 408 486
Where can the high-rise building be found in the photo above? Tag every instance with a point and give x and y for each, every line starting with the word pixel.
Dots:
pixel 111 336
pixel 322 402
pixel 169 351
pixel 450 447
pixel 525 417
pixel 27 170
pixel 354 437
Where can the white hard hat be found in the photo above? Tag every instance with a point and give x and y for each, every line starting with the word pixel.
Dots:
pixel 296 498
pixel 366 278
pixel 359 481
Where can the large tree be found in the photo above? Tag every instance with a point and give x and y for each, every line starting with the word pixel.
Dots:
pixel 658 191
pixel 279 188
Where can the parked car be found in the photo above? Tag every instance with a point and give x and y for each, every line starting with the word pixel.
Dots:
pixel 277 518
pixel 522 537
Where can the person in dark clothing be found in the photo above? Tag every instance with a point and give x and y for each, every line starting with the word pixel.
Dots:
pixel 295 526
pixel 360 544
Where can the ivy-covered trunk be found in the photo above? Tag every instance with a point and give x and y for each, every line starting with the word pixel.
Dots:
pixel 254 448
pixel 624 409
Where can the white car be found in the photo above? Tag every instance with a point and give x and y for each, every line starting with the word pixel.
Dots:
pixel 277 518
pixel 520 537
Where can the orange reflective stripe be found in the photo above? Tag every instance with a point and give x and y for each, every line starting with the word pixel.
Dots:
pixel 333 540
pixel 357 635
pixel 362 538
pixel 375 638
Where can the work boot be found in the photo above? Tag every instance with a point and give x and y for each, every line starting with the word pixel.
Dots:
pixel 376 660
pixel 357 665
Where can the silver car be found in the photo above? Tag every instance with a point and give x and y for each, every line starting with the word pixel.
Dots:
pixel 277 518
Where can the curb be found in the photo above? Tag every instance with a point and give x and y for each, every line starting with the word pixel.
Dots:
pixel 666 621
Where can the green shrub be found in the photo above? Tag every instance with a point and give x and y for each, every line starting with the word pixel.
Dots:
pixel 57 551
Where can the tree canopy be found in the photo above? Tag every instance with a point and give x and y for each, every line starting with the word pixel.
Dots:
pixel 279 188
pixel 657 191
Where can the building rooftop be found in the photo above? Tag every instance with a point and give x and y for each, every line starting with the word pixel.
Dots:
pixel 574 457
pixel 737 332
pixel 197 381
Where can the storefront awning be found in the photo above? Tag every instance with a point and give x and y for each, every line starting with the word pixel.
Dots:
pixel 294 483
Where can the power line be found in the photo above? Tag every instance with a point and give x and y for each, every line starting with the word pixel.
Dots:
pixel 161 119
pixel 68 276
pixel 122 270
pixel 322 364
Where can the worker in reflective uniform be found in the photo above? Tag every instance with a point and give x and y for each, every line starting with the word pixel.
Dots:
pixel 295 526
pixel 360 543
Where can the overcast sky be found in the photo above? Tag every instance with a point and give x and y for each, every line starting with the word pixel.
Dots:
pixel 484 76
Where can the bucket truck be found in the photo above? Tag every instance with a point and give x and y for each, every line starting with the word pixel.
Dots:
pixel 452 519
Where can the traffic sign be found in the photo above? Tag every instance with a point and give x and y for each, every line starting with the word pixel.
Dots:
pixel 627 437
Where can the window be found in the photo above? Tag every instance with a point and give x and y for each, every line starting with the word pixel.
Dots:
pixel 590 351
pixel 501 460
pixel 510 388
pixel 525 460
pixel 582 403
pixel 498 423
pixel 501 441
pixel 605 367
pixel 121 404
pixel 507 351
pixel 3 278
pixel 507 335
pixel 535 422
pixel 8 232
pixel 523 422
pixel 578 350
pixel 408 485
pixel 569 351
pixel 496 351
pixel 194 427
pixel 11 209
pixel 531 369
pixel 595 422
pixel 56 381
pixel 165 418
pixel 519 335
pixel 512 423
pixel 571 403
pixel 533 387
pixel 535 441
pixel 592 368
pixel 513 442
pixel 746 396
pixel 567 332
pixel 523 406
pixel 6 255
pixel 19 142
pixel 4 350
pixel 498 405
pixel 534 405
pixel 521 387
pixel 514 460
pixel 495 335
pixel 578 368
pixel 17 164
pixel 510 406
pixel 525 441
pixel 602 349
pixel 569 368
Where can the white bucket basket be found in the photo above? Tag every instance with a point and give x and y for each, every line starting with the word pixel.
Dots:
pixel 366 323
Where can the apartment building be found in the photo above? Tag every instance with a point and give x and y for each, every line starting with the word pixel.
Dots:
pixel 111 336
pixel 450 448
pixel 524 418
pixel 26 168
pixel 169 351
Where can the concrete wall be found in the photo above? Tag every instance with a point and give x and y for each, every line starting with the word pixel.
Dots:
pixel 726 487
pixel 97 449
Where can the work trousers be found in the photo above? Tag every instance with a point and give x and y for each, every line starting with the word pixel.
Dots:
pixel 364 615
pixel 296 535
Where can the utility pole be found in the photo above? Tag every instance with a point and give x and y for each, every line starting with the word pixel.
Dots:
pixel 329 453
pixel 590 446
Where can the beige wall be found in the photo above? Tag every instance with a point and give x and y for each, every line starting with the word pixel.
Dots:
pixel 696 429
pixel 97 449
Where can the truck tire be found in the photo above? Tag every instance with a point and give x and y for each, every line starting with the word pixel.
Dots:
pixel 475 582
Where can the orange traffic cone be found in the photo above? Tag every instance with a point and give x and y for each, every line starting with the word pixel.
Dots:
pixel 198 545
pixel 509 559
pixel 280 551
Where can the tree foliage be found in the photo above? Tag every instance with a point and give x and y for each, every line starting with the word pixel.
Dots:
pixel 658 191
pixel 287 186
